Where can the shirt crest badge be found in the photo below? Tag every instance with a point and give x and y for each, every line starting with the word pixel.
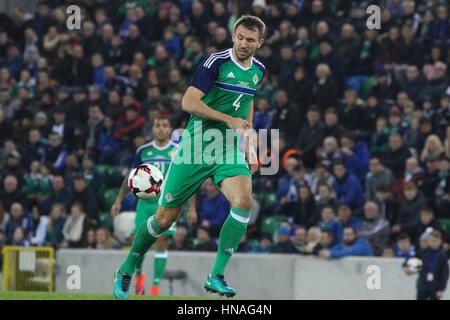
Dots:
pixel 255 79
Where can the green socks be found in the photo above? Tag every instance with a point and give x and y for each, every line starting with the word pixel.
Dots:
pixel 146 236
pixel 230 235
pixel 159 265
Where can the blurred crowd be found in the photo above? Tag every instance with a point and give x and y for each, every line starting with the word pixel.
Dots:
pixel 363 116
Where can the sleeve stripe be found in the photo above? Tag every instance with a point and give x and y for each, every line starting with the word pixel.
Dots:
pixel 213 55
pixel 209 64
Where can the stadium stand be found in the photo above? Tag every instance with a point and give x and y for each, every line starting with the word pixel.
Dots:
pixel 75 104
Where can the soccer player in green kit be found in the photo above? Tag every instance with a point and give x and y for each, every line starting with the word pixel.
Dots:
pixel 159 154
pixel 219 98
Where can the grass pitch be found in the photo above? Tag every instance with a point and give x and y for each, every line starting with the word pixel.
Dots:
pixel 30 295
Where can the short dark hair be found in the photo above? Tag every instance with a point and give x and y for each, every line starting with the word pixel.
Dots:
pixel 252 23
pixel 349 136
pixel 426 208
pixel 339 163
pixel 314 108
pixel 382 188
pixel 403 236
pixel 331 110
pixel 328 207
pixel 168 118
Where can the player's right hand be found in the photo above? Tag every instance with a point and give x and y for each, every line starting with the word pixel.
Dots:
pixel 238 124
pixel 115 209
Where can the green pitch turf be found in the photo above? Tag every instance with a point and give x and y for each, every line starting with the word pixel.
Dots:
pixel 29 295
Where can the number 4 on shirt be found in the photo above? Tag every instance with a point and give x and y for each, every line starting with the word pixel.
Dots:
pixel 236 102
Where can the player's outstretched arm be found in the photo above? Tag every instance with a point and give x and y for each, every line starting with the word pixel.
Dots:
pixel 193 104
pixel 115 208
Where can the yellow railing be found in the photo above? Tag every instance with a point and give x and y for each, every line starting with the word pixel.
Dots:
pixel 28 268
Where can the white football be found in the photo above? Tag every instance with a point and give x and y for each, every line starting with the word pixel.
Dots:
pixel 414 264
pixel 145 181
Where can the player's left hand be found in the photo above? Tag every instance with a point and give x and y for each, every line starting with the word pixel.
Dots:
pixel 192 216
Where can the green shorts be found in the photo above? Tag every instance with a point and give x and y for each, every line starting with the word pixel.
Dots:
pixel 183 180
pixel 144 210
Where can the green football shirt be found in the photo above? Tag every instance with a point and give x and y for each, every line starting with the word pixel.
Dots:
pixel 228 88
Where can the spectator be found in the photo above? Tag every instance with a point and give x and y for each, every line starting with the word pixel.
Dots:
pixel 428 223
pixel 409 213
pixel 433 275
pixel 413 173
pixel 215 209
pixel 104 240
pixel 60 194
pixel 330 152
pixel 403 247
pixel 433 148
pixel 325 198
pixel 264 245
pixel 75 227
pixel 93 178
pixel 285 117
pixel 347 187
pixel 442 191
pixel 39 227
pixel 320 177
pixel 344 220
pixel 374 228
pixel 55 152
pixel 395 157
pixel 18 218
pixel 205 243
pixel 262 117
pixel 300 237
pixel 90 241
pixel 387 205
pixel 107 143
pixel 351 112
pixel 283 244
pixel 356 156
pixel 377 176
pixel 20 237
pixel 56 221
pixel 313 238
pixel 309 136
pixel 11 193
pixel 325 89
pixel 332 125
pixel 351 245
pixel 86 196
pixel 13 168
pixel 4 217
pixel 180 241
pixel 328 220
pixel 244 246
pixel 288 186
pixel 327 240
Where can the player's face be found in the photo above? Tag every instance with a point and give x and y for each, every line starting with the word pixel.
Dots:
pixel 245 42
pixel 161 129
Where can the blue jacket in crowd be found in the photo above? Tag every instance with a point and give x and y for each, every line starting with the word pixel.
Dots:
pixel 358 163
pixel 215 210
pixel 359 248
pixel 349 191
